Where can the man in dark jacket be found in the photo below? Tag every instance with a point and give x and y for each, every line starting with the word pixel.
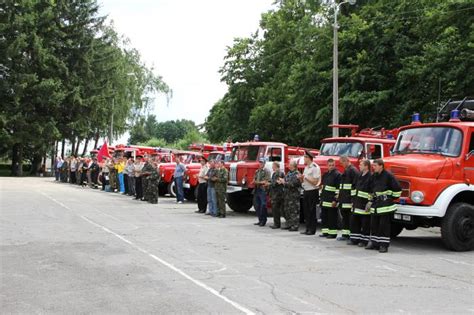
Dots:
pixel 385 188
pixel 346 191
pixel 360 219
pixel 330 187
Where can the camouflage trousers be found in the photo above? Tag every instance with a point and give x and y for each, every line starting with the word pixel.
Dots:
pixel 292 209
pixel 151 192
pixel 145 187
pixel 220 197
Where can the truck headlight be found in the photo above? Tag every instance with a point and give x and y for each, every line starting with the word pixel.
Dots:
pixel 417 196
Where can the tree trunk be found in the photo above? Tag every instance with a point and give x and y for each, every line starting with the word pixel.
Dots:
pixel 76 152
pixel 54 154
pixel 63 144
pixel 96 140
pixel 86 144
pixel 73 145
pixel 17 160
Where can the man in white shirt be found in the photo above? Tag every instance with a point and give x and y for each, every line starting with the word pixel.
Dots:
pixel 202 187
pixel 310 181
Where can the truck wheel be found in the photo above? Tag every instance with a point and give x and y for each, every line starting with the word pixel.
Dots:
pixel 457 229
pixel 239 202
pixel 190 194
pixel 395 229
pixel 172 189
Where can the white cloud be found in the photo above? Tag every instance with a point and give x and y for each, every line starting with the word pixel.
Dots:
pixel 185 41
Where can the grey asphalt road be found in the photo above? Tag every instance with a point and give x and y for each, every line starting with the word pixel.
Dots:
pixel 67 249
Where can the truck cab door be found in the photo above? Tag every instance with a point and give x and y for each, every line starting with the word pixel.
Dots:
pixel 469 158
pixel 275 154
pixel 373 151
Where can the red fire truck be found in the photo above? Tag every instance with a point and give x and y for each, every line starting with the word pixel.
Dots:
pixel 205 149
pixel 243 164
pixel 366 143
pixel 434 163
pixel 167 185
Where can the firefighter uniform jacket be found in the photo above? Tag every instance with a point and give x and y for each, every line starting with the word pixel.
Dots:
pixel 330 183
pixel 347 187
pixel 385 188
pixel 362 196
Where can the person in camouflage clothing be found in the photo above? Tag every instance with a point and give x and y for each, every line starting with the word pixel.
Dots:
pixel 277 195
pixel 146 172
pixel 112 175
pixel 221 188
pixel 292 186
pixel 153 180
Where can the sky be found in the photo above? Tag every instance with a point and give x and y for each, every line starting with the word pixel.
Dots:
pixel 185 41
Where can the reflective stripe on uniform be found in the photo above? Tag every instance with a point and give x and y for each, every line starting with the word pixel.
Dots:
pixel 396 194
pixel 330 188
pixel 384 209
pixel 332 232
pixel 361 211
pixel 327 204
pixel 353 192
pixel 346 232
pixel 363 194
pixel 324 231
pixel 354 236
pixel 345 186
pixel 381 193
pixel 346 205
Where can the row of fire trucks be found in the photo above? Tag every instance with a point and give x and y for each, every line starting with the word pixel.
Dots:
pixel 434 163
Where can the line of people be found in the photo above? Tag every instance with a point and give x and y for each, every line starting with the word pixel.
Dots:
pixel 356 204
pixel 138 178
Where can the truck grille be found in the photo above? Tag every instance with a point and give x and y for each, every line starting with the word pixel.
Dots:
pixel 233 174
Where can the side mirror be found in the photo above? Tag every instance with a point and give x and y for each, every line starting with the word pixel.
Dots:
pixel 469 155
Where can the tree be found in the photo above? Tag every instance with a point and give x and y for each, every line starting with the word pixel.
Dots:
pixel 65 74
pixel 392 56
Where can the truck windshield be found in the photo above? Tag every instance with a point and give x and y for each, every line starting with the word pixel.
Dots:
pixel 429 140
pixel 352 149
pixel 215 156
pixel 246 153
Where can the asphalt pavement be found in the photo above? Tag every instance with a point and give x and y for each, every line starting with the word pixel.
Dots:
pixel 72 250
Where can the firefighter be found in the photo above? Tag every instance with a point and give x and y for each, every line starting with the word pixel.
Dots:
pixel 330 188
pixel 346 192
pixel 360 219
pixel 385 188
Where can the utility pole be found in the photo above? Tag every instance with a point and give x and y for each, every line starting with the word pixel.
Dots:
pixel 335 77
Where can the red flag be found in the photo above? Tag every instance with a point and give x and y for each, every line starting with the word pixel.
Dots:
pixel 103 152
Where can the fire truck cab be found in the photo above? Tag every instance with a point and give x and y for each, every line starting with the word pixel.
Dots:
pixel 167 184
pixel 244 162
pixel 434 163
pixel 364 144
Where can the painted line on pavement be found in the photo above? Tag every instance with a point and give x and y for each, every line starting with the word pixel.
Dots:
pixel 161 261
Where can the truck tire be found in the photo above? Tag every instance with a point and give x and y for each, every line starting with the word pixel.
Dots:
pixel 396 229
pixel 172 189
pixel 239 202
pixel 457 228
